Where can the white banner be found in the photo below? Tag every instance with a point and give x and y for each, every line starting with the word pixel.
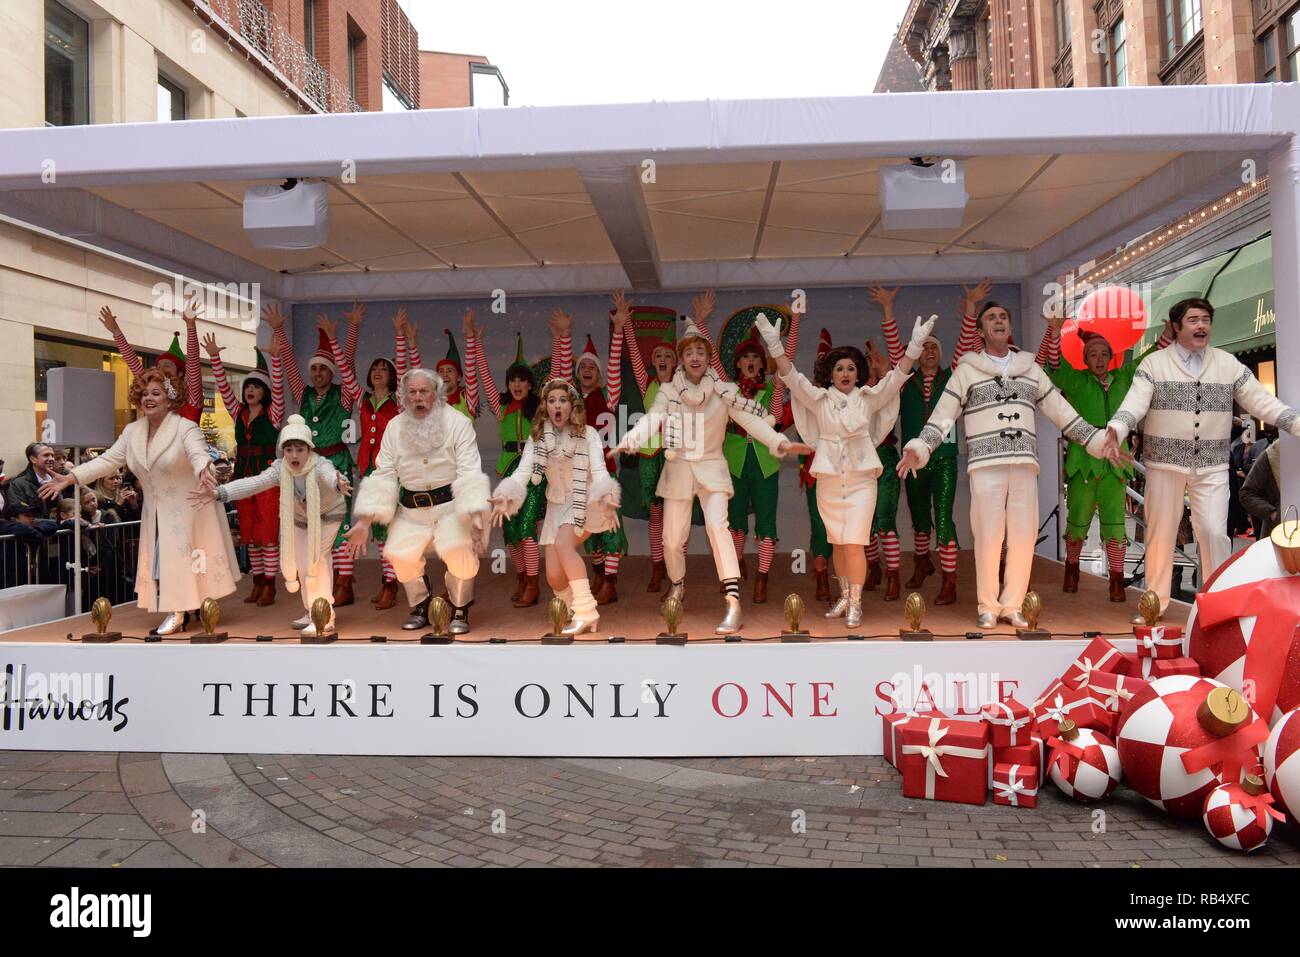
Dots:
pixel 579 700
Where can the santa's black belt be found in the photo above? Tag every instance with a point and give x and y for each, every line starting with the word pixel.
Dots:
pixel 425 499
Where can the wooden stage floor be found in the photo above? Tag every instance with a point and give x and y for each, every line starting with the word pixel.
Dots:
pixel 636 614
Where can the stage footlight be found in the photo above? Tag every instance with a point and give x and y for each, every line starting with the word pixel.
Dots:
pixel 557 613
pixel 209 617
pixel 1032 609
pixel 914 611
pixel 671 610
pixel 794 609
pixel 439 615
pixel 321 611
pixel 101 613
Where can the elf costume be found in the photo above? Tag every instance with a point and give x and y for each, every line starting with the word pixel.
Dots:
pixel 514 422
pixel 184 364
pixel 255 445
pixel 459 399
pixel 605 548
pixel 818 545
pixel 1093 486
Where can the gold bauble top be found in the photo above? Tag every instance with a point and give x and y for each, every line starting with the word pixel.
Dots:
pixel 672 612
pixel 320 614
pixel 209 615
pixel 1067 729
pixel 1286 542
pixel 1253 784
pixel 101 613
pixel 1032 608
pixel 556 613
pixel 1149 607
pixel 439 614
pixel 914 610
pixel 793 611
pixel 1223 711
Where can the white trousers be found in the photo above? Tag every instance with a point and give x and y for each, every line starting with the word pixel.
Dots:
pixel 677 529
pixel 1208 493
pixel 411 539
pixel 321 566
pixel 1003 506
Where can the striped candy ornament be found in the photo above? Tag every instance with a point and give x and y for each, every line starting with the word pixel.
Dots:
pixel 1237 819
pixel 1086 767
pixel 1282 763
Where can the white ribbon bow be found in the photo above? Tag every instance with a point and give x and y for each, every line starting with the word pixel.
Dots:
pixel 933 754
pixel 1008 720
pixel 1087 667
pixel 1012 789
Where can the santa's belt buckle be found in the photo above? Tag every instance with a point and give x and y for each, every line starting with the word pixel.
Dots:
pixel 421 499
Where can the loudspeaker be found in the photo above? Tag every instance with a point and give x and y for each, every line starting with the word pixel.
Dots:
pixel 278 218
pixel 81 408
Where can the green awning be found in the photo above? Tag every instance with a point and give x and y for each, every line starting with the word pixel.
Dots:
pixel 1240 286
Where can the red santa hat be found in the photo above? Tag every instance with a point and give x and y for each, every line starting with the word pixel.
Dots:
pixel 824 345
pixel 324 355
pixel 750 343
pixel 589 354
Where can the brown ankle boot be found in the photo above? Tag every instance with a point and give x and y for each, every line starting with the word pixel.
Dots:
pixel 948 591
pixel 873 576
pixel 1117 590
pixel 387 596
pixel 1071 582
pixel 529 593
pixel 597 577
pixel 519 587
pixel 256 593
pixel 760 588
pixel 823 584
pixel 656 582
pixel 891 584
pixel 744 572
pixel 922 570
pixel 608 593
pixel 343 591
pixel 267 595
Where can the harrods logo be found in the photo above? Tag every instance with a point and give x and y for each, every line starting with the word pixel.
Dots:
pixel 31 696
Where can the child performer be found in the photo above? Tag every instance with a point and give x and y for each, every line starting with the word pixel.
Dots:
pixel 844 418
pixel 311 509
pixel 582 498
pixel 514 422
pixel 257 424
pixel 663 359
pixel 694 410
pixel 607 548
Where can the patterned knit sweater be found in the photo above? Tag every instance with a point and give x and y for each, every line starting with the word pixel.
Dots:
pixel 1188 424
pixel 998 412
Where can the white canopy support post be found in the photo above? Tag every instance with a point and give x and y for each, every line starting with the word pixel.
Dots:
pixel 1284 213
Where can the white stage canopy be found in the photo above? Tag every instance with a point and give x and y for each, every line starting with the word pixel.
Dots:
pixel 667 196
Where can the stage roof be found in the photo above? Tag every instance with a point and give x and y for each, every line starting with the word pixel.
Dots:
pixel 450 203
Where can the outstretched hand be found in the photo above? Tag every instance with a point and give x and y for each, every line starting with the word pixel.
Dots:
pixel 55 485
pixel 908 464
pixel 883 297
pixel 795 448
pixel 201 497
pixel 702 306
pixel 109 320
pixel 357 537
pixel 210 346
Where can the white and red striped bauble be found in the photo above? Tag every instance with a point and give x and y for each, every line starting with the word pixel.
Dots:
pixel 1221 650
pixel 1157 727
pixel 1233 824
pixel 1282 763
pixel 1093 776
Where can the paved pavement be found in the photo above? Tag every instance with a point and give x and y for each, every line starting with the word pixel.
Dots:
pixel 246 810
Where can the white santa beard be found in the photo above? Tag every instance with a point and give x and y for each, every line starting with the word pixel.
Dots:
pixel 425 433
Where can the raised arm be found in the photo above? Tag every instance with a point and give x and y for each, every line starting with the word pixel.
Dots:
pixel 127 351
pixel 621 303
pixel 561 325
pixel 478 367
pixel 702 307
pixel 232 403
pixel 968 338
pixel 193 369
pixel 614 367
pixel 277 383
pixel 471 329
pixel 355 316
pixel 889 325
pixel 274 318
pixel 347 371
pixel 791 347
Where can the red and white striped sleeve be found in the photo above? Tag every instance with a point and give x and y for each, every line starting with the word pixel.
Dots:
pixel 350 343
pixel 129 355
pixel 1163 342
pixel 348 372
pixel 471 383
pixel 478 368
pixel 400 356
pixel 413 355
pixel 562 358
pixel 893 344
pixel 614 370
pixel 968 339
pixel 193 366
pixel 277 391
pixel 791 347
pixel 1049 351
pixel 293 375
pixel 638 367
pixel 233 405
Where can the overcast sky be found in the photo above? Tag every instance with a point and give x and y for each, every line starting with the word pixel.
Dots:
pixel 583 51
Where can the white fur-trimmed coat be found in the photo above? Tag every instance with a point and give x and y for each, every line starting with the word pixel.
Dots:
pixel 604 495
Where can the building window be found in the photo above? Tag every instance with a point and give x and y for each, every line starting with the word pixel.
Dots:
pixel 1182 22
pixel 67 67
pixel 171 101
pixel 1061 10
pixel 1268 71
pixel 1291 37
pixel 309 26
pixel 1114 57
pixel 487 87
pixel 352 67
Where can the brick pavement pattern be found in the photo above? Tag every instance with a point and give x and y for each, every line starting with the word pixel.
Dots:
pixel 186 810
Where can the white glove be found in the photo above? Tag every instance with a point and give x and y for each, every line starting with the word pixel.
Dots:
pixel 920 332
pixel 771 338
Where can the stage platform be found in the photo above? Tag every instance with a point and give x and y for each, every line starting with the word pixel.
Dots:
pixel 635 616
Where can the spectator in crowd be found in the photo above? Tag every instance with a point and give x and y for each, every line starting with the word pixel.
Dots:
pixel 24 486
pixel 118 502
pixel 1261 493
pixel 61 464
pixel 1241 458
pixel 15 560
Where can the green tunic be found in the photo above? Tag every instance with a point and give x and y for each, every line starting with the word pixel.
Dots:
pixel 325 417
pixel 513 427
pixel 1096 404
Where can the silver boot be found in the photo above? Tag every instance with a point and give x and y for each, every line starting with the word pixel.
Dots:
pixel 173 624
pixel 731 623
pixel 987 619
pixel 460 591
pixel 842 604
pixel 300 623
pixel 1014 619
pixel 853 617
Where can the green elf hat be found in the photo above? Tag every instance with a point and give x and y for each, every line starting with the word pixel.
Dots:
pixel 519 350
pixel 260 374
pixel 174 355
pixel 453 355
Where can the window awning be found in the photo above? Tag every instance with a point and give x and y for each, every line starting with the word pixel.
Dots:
pixel 1239 284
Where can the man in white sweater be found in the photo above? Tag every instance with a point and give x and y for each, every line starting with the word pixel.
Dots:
pixel 1186 393
pixel 997 392
pixel 428 487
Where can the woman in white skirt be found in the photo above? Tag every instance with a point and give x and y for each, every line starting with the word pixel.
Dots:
pixel 581 497
pixel 844 419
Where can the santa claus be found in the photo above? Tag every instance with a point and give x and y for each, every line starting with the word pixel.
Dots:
pixel 428 487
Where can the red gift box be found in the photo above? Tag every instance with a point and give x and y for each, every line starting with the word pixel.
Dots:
pixel 1164 667
pixel 1015 785
pixel 1131 665
pixel 1159 641
pixel 1008 722
pixel 894 721
pixel 1030 753
pixel 944 760
pixel 1081 707
pixel 1099 657
pixel 1115 690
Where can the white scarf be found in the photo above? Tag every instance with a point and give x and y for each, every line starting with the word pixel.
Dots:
pixel 693 396
pixel 570 446
pixel 288 560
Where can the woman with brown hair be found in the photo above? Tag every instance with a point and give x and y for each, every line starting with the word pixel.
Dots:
pixel 581 497
pixel 185 555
